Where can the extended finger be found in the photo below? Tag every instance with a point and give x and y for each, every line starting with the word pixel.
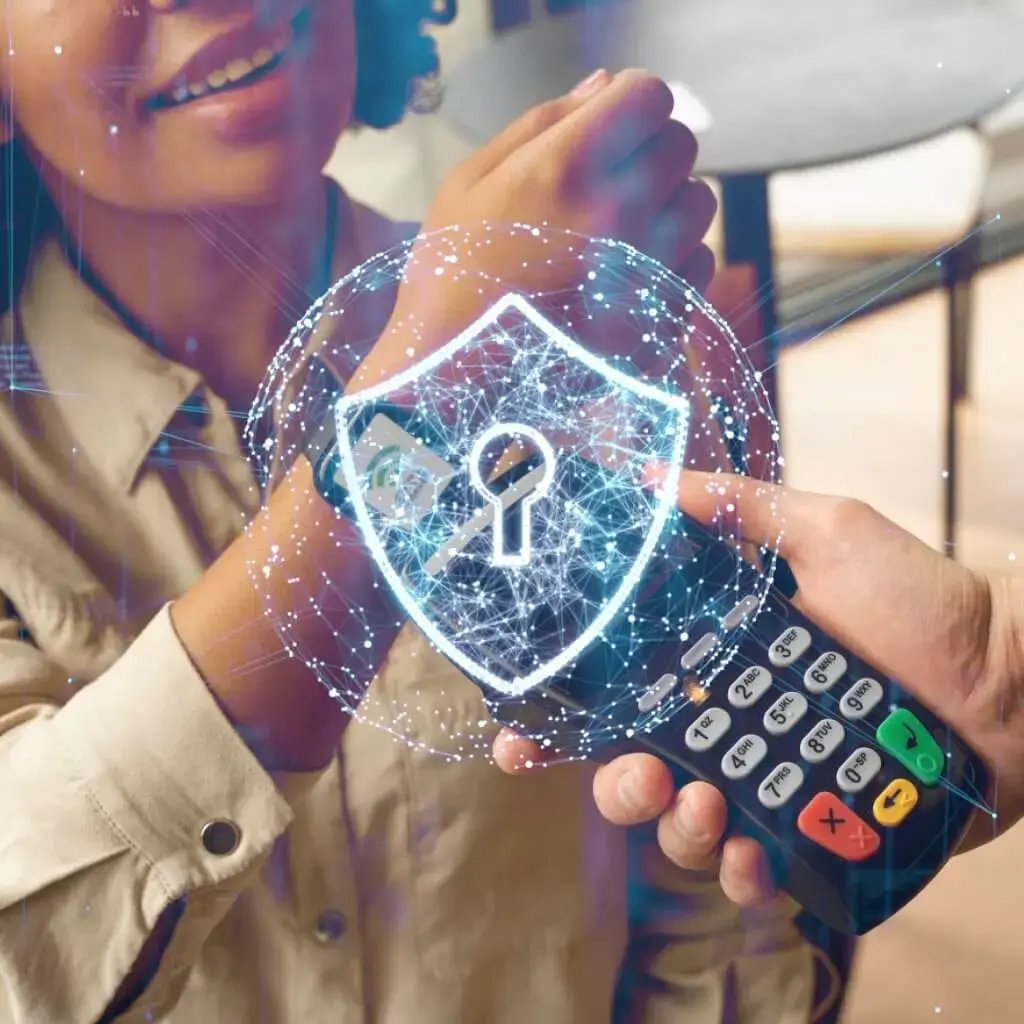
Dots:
pixel 764 513
pixel 632 789
pixel 690 831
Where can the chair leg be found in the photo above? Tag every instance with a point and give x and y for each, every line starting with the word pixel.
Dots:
pixel 960 268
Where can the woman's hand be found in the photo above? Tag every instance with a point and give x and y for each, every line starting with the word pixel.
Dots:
pixel 954 639
pixel 607 160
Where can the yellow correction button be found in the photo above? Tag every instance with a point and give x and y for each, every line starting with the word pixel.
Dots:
pixel 895 802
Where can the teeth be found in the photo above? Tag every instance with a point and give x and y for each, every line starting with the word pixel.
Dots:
pixel 238 69
pixel 234 70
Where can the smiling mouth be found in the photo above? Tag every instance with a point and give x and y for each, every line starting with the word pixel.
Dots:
pixel 240 71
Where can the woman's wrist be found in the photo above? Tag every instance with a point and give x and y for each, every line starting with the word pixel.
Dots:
pixel 230 626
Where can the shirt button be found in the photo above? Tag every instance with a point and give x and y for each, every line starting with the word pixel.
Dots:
pixel 330 926
pixel 220 837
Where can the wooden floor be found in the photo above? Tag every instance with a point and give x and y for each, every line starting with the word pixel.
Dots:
pixel 862 415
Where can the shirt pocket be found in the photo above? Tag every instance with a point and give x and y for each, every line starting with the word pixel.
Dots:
pixel 499 864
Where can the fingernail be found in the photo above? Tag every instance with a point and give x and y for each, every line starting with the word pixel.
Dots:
pixel 594 81
pixel 629 792
pixel 686 821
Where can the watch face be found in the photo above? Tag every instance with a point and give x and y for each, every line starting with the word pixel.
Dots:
pixel 403 479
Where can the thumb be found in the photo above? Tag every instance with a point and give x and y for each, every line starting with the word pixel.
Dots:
pixel 765 514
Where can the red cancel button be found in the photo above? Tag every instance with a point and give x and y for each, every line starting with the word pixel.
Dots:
pixel 830 823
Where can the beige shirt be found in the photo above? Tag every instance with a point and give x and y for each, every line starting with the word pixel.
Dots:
pixel 394 887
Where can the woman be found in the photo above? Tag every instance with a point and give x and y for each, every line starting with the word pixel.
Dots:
pixel 193 831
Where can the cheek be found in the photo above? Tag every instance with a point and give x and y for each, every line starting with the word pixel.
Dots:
pixel 66 76
pixel 334 59
pixel 69 77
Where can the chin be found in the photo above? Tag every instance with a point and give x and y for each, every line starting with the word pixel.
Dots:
pixel 242 153
pixel 262 174
pixel 254 179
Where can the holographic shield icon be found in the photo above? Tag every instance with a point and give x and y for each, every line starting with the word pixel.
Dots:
pixel 498 484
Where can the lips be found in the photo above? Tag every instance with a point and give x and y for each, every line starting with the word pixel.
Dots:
pixel 231 61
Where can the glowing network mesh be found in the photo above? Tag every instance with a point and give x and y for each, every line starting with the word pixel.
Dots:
pixel 498 475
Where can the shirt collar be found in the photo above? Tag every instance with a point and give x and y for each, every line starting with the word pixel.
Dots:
pixel 114 392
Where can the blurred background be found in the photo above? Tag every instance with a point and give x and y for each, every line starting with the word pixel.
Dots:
pixel 884 149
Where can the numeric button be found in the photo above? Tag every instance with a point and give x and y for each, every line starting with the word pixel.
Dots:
pixel 656 692
pixel 744 757
pixel 736 616
pixel 789 646
pixel 859 701
pixel 822 741
pixel 699 651
pixel 749 687
pixel 785 713
pixel 780 785
pixel 707 730
pixel 825 672
pixel 858 770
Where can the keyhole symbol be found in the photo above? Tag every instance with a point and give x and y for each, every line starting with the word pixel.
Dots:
pixel 501 502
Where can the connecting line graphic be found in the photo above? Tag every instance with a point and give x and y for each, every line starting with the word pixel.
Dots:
pixel 975 800
pixel 893 286
pixel 587 543
pixel 936 257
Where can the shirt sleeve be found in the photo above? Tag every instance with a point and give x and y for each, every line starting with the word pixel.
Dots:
pixel 105 799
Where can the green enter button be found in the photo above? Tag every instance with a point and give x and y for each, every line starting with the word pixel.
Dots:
pixel 905 737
